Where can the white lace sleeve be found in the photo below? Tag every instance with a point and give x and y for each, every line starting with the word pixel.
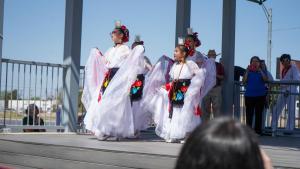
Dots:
pixel 193 67
pixel 125 50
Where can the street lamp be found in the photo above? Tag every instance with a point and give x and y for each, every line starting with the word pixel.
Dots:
pixel 268 14
pixel 260 2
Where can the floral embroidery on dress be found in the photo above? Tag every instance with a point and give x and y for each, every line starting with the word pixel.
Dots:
pixel 136 90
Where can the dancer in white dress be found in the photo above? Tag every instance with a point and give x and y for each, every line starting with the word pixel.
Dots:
pixel 109 111
pixel 202 61
pixel 141 118
pixel 175 106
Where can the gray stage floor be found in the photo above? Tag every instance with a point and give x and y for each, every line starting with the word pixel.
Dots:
pixel 52 150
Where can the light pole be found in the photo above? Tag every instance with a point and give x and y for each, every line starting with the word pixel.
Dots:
pixel 268 14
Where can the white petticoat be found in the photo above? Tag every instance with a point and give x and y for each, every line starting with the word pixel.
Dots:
pixel 141 119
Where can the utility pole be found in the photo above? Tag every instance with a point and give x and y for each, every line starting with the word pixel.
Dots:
pixel 268 14
pixel 269 53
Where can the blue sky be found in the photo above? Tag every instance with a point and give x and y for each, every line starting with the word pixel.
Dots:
pixel 34 29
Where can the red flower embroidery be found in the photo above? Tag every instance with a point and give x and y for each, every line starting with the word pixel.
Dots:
pixel 137 83
pixel 183 89
pixel 168 86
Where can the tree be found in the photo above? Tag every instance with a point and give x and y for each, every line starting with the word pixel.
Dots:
pixel 8 95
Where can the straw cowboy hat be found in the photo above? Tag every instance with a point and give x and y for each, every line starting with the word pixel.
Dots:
pixel 212 53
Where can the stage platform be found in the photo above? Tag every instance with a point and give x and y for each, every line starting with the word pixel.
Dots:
pixel 76 151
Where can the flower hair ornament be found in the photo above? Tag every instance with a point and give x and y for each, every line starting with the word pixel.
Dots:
pixel 122 29
pixel 187 44
pixel 194 36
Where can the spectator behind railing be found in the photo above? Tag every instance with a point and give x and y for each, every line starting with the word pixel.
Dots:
pixel 289 73
pixel 265 70
pixel 32 118
pixel 222 144
pixel 255 95
pixel 266 114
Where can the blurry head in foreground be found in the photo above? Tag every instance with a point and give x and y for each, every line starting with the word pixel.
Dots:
pixel 221 143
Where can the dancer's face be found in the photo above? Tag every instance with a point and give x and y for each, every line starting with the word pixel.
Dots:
pixel 179 54
pixel 116 36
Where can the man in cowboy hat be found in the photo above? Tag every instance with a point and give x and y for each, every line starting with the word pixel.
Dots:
pixel 213 100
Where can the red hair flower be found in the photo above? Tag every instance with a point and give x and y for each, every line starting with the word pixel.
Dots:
pixel 187 44
pixel 123 27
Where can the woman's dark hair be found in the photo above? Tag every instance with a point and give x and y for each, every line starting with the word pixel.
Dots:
pixel 183 48
pixel 123 30
pixel 221 143
pixel 254 57
pixel 285 56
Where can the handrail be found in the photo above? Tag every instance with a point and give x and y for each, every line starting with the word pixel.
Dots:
pixel 4 60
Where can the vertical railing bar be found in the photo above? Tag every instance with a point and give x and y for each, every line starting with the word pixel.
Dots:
pixel 24 84
pixel 5 94
pixel 35 88
pixel 63 95
pixel 29 95
pixel 47 69
pixel 18 88
pixel 11 91
pixel 57 106
pixel 51 102
pixel 41 90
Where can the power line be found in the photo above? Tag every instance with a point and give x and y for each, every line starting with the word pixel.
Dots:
pixel 287 29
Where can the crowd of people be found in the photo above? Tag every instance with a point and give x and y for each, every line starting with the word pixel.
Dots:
pixel 255 80
pixel 124 92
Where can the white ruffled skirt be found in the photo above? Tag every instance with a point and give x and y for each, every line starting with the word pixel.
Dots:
pixel 179 125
